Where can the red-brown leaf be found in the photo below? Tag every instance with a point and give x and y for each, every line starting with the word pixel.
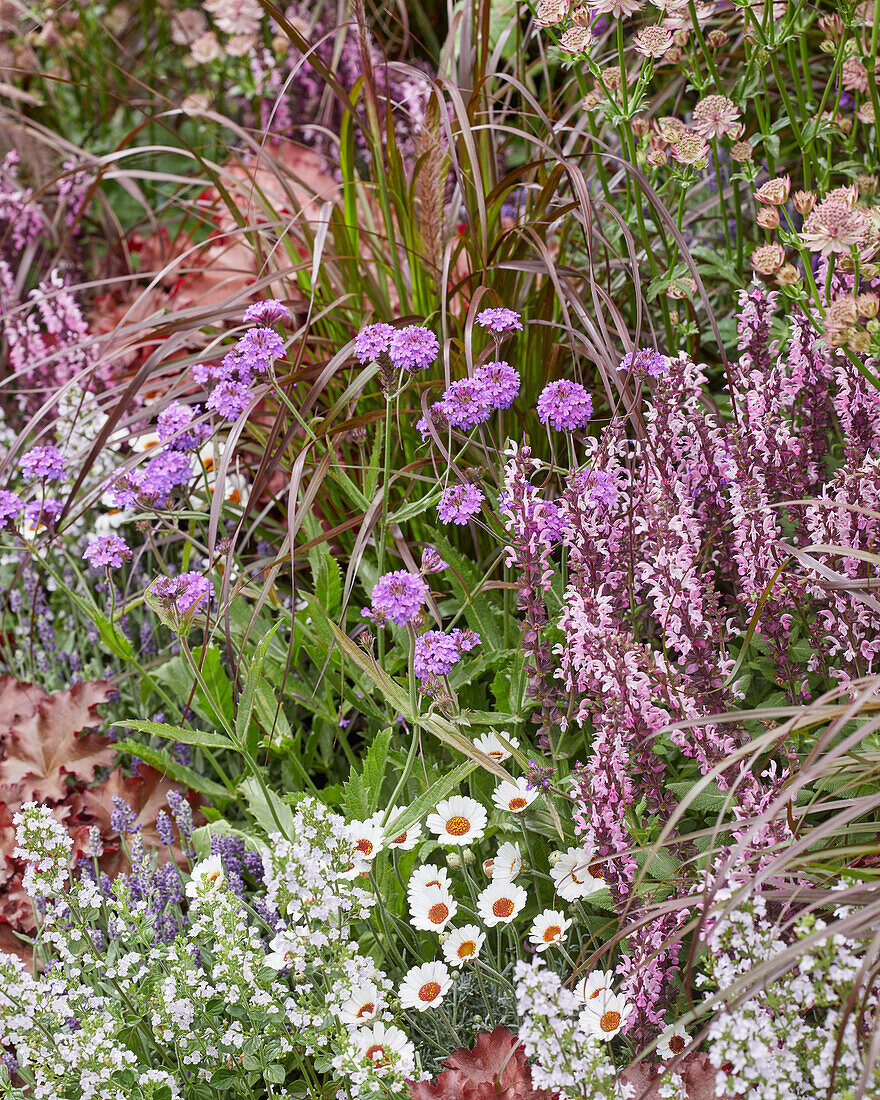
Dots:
pixel 496 1069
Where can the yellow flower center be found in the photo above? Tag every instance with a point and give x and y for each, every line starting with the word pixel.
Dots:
pixel 503 907
pixel 552 932
pixel 458 826
pixel 430 991
pixel 610 1021
pixel 466 948
pixel 438 913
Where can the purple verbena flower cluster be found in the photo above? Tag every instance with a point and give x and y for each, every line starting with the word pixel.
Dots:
pixel 397 597
pixel 646 362
pixel 107 552
pixel 459 503
pixel 177 430
pixel 499 320
pixel 42 463
pixel 184 593
pixel 437 653
pixel 565 406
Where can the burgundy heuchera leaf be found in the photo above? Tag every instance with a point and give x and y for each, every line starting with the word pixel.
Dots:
pixel 496 1069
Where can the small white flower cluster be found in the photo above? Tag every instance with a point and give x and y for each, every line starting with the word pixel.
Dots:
pixel 45 845
pixel 783 1041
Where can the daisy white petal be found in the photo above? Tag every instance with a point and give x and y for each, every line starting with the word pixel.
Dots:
pixel 673 1041
pixel 548 928
pixel 492 745
pixel 362 1006
pixel 429 874
pixel 384 1046
pixel 507 863
pixel 404 840
pixel 463 945
pixel 571 875
pixel 366 838
pixel 431 909
pixel 514 797
pixel 425 986
pixel 458 820
pixel 594 983
pixel 500 902
pixel 605 1015
pixel 206 878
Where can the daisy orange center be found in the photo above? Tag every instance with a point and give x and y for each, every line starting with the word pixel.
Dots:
pixel 676 1044
pixel 466 948
pixel 399 839
pixel 596 993
pixel 551 933
pixel 610 1021
pixel 434 882
pixel 503 907
pixel 366 1009
pixel 430 991
pixel 365 846
pixel 597 869
pixel 438 913
pixel 517 804
pixel 458 826
pixel 496 754
pixel 214 875
pixel 377 1055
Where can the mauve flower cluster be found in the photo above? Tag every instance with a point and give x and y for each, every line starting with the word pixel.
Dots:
pixel 459 503
pixel 42 463
pixel 565 406
pixel 108 552
pixel 437 653
pixel 184 593
pixel 411 348
pixel 397 597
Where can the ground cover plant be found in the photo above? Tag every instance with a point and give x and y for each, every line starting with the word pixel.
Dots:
pixel 439 514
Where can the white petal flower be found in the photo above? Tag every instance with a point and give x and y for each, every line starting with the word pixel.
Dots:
pixel 425 986
pixel 571 875
pixel 500 902
pixel 507 863
pixel 605 1015
pixel 366 839
pixel 206 878
pixel 284 952
pixel 362 1006
pixel 458 820
pixel 548 928
pixel 384 1046
pixel 432 909
pixel 594 983
pixel 463 945
pixel 493 747
pixel 406 840
pixel 673 1041
pixel 429 874
pixel 514 797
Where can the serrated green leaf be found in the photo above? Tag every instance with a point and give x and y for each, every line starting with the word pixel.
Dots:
pixel 416 507
pixel 268 809
pixel 373 771
pixel 178 733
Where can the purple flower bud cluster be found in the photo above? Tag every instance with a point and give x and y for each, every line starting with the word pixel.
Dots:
pixel 176 429
pixel 471 401
pixel 184 593
pixel 268 312
pixel 459 503
pixel 123 818
pixel 437 653
pixel 499 320
pixel 42 463
pixel 565 406
pixel 237 860
pixel 432 562
pixel 397 597
pixel 646 362
pixel 109 552
pixel 410 348
pixel 11 507
pixel 371 341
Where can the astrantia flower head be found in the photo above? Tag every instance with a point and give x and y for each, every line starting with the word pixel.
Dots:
pixel 499 320
pixel 645 362
pixel 268 312
pixel 397 597
pixel 653 41
pixel 458 820
pixel 576 40
pixel 617 9
pixel 371 341
pixel 44 463
pixel 565 406
pixel 459 503
pixel 768 258
pixel 715 116
pixel 11 506
pixel 431 909
pixel 500 902
pixel 775 191
pixel 109 552
pixel 571 875
pixel 413 348
pixel 547 929
pixel 466 404
pixel 551 12
pixel 463 945
pixel 425 986
pixel 500 382
pixel 515 797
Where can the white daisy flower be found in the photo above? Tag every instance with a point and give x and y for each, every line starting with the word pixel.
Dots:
pixel 571 875
pixel 458 820
pixel 514 797
pixel 673 1041
pixel 507 863
pixel 605 1015
pixel 147 441
pixel 366 838
pixel 429 874
pixel 206 878
pixel 548 928
pixel 425 986
pixel 493 747
pixel 404 841
pixel 500 902
pixel 594 983
pixel 362 1006
pixel 432 909
pixel 463 945
pixel 383 1046
pixel 284 952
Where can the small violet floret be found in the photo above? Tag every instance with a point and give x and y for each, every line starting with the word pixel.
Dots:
pixel 500 383
pixel 499 320
pixel 268 312
pixel 436 653
pixel 45 463
pixel 371 341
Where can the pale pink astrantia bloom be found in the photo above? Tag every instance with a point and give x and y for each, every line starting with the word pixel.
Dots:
pixel 715 116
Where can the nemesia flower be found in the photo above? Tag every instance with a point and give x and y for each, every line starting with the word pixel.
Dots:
pixel 547 929
pixel 206 878
pixel 499 320
pixel 11 506
pixel 371 341
pixel 431 909
pixel 653 41
pixel 426 877
pixel 43 463
pixel 673 1041
pixel 384 1045
pixel 397 597
pixel 594 983
pixel 463 945
pixel 565 406
pixel 457 820
pixel 571 875
pixel 493 747
pixel 425 986
pixel 507 862
pixel 362 1006
pixel 413 348
pixel 459 503
pixel 500 382
pixel 605 1015
pixel 514 797
pixel 110 552
pixel 500 902
pixel 715 116
pixel 775 191
pixel 268 312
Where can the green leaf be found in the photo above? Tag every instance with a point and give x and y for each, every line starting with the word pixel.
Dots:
pixel 246 702
pixel 262 808
pixel 327 579
pixel 164 762
pixel 416 507
pixel 373 772
pixel 354 796
pixel 275 1074
pixel 427 801
pixel 178 733
pixel 465 582
pixel 176 675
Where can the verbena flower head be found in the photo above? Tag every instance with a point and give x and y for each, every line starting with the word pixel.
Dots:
pixel 459 503
pixel 40 514
pixel 436 416
pixel 397 597
pixel 176 430
pixel 499 320
pixel 259 347
pixel 229 399
pixel 645 362
pixel 182 596
pixel 413 348
pixel 432 562
pixel 268 312
pixel 109 552
pixel 437 653
pixel 43 463
pixel 466 404
pixel 565 406
pixel 500 382
pixel 371 341
pixel 162 475
pixel 11 506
